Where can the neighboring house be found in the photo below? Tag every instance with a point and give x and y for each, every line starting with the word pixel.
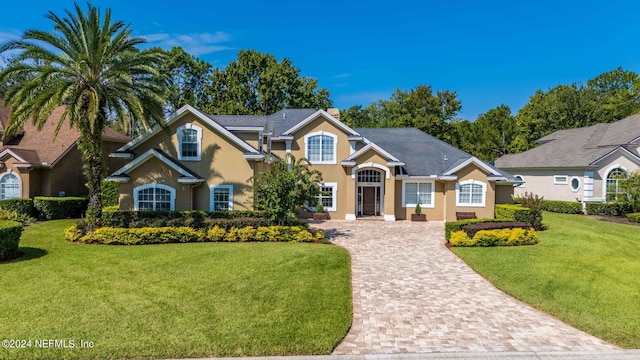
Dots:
pixel 583 164
pixel 203 162
pixel 32 163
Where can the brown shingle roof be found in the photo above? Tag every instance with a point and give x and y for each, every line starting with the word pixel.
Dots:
pixel 39 147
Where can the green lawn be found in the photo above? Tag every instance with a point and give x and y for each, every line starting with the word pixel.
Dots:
pixel 584 272
pixel 174 300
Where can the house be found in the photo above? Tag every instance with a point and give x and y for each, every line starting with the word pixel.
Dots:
pixel 201 161
pixel 32 163
pixel 583 164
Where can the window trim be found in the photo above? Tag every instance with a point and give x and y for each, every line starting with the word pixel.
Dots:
pixel 404 193
pixel 198 129
pixel 521 178
pixel 334 196
pixel 605 179
pixel 471 182
pixel 220 186
pixel 556 181
pixel 571 184
pixel 11 172
pixel 335 147
pixel 172 191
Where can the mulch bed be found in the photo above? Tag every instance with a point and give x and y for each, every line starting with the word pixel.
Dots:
pixel 614 219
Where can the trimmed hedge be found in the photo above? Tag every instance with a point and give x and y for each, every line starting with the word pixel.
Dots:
pixel 22 206
pixel 450 227
pixel 52 208
pixel 194 218
pixel 634 217
pixel 164 235
pixel 110 193
pixel 608 209
pixel 501 237
pixel 512 212
pixel 472 229
pixel 10 232
pixel 563 207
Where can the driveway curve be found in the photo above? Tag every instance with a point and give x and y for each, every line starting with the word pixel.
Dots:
pixel 413 295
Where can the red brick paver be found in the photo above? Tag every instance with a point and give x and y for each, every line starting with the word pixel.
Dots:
pixel 412 295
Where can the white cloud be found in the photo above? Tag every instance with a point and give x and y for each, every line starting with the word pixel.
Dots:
pixel 194 44
pixel 342 76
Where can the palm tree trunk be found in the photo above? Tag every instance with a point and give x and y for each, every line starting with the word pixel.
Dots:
pixel 94 170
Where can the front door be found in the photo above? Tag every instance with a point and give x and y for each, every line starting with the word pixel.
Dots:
pixel 368 200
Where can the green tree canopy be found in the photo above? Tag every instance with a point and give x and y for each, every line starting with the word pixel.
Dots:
pixel 90 65
pixel 257 84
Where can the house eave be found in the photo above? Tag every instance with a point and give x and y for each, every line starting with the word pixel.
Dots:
pixel 348 163
pixel 118 179
pixel 253 156
pixel 121 155
pixel 395 163
pixel 189 180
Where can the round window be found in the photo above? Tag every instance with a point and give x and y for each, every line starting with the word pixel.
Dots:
pixel 575 184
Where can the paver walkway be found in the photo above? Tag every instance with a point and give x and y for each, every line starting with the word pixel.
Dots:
pixel 413 295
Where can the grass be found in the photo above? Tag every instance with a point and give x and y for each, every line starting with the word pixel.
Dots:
pixel 584 272
pixel 173 300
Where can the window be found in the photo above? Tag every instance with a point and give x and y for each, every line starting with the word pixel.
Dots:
pixel 369 176
pixel 154 197
pixel 327 195
pixel 222 197
pixel 321 148
pixel 414 192
pixel 613 184
pixel 471 193
pixel 560 179
pixel 574 184
pixel 190 142
pixel 10 186
pixel 520 178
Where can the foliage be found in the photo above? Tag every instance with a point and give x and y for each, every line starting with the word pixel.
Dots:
pixel 288 185
pixel 257 84
pixel 499 237
pixel 630 186
pixel 16 216
pixel 418 209
pixel 110 193
pixel 22 206
pixel 10 232
pixel 535 204
pixel 192 218
pixel 164 235
pixel 634 217
pixel 91 66
pixel 453 226
pixel 563 207
pixel 472 229
pixel 319 207
pixel 608 209
pixel 512 212
pixel 52 208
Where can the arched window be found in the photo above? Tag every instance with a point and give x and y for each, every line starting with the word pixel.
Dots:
pixel 10 186
pixel 613 183
pixel 189 142
pixel 471 193
pixel 321 147
pixel 154 197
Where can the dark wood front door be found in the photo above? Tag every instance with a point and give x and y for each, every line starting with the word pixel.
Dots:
pixel 368 200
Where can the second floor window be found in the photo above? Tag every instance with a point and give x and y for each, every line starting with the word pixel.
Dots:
pixel 189 137
pixel 321 148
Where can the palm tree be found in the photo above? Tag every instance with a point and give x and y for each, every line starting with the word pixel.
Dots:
pixel 92 67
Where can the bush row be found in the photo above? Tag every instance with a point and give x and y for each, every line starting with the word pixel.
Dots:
pixel 164 235
pixel 501 237
pixel 10 232
pixel 512 212
pixel 608 209
pixel 472 229
pixel 47 208
pixel 563 207
pixel 194 219
pixel 634 217
pixel 453 226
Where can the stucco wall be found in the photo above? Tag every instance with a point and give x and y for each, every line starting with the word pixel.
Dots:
pixel 605 166
pixel 470 172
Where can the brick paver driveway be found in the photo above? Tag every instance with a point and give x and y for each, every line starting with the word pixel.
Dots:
pixel 412 295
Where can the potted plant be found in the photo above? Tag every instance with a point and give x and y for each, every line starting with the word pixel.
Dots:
pixel 418 215
pixel 319 214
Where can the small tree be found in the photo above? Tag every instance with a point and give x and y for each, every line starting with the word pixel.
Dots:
pixel 418 210
pixel 288 185
pixel 535 204
pixel 630 186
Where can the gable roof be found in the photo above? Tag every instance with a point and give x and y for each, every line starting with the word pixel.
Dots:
pixel 376 148
pixel 188 176
pixel 278 122
pixel 326 115
pixel 39 147
pixel 579 147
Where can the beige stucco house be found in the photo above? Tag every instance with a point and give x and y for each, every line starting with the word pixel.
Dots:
pixel 201 161
pixel 583 164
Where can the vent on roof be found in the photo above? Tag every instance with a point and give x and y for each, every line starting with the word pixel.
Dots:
pixel 284 115
pixel 445 157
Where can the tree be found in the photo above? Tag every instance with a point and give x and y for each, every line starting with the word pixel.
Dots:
pixel 357 116
pixel 630 187
pixel 288 185
pixel 91 66
pixel 618 93
pixel 257 84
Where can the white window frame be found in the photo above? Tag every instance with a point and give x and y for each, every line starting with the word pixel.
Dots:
pixel 11 172
pixel 334 195
pixel 520 177
pixel 198 129
pixel 172 191
pixel 333 161
pixel 404 193
pixel 229 188
pixel 571 184
pixel 557 179
pixel 471 182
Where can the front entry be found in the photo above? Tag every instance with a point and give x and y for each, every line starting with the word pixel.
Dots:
pixel 368 200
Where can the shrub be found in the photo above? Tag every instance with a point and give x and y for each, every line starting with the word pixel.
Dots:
pixel 498 237
pixel 418 209
pixel 193 218
pixel 563 207
pixel 16 216
pixel 472 229
pixel 10 232
pixel 535 206
pixel 110 193
pixel 512 212
pixel 634 217
pixel 142 236
pixel 450 227
pixel 51 208
pixel 19 205
pixel 216 233
pixel 608 209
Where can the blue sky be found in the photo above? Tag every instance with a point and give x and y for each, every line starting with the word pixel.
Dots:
pixel 489 52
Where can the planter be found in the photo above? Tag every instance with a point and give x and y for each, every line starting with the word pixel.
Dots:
pixel 421 217
pixel 320 216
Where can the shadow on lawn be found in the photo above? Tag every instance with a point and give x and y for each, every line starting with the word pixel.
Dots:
pixel 27 253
